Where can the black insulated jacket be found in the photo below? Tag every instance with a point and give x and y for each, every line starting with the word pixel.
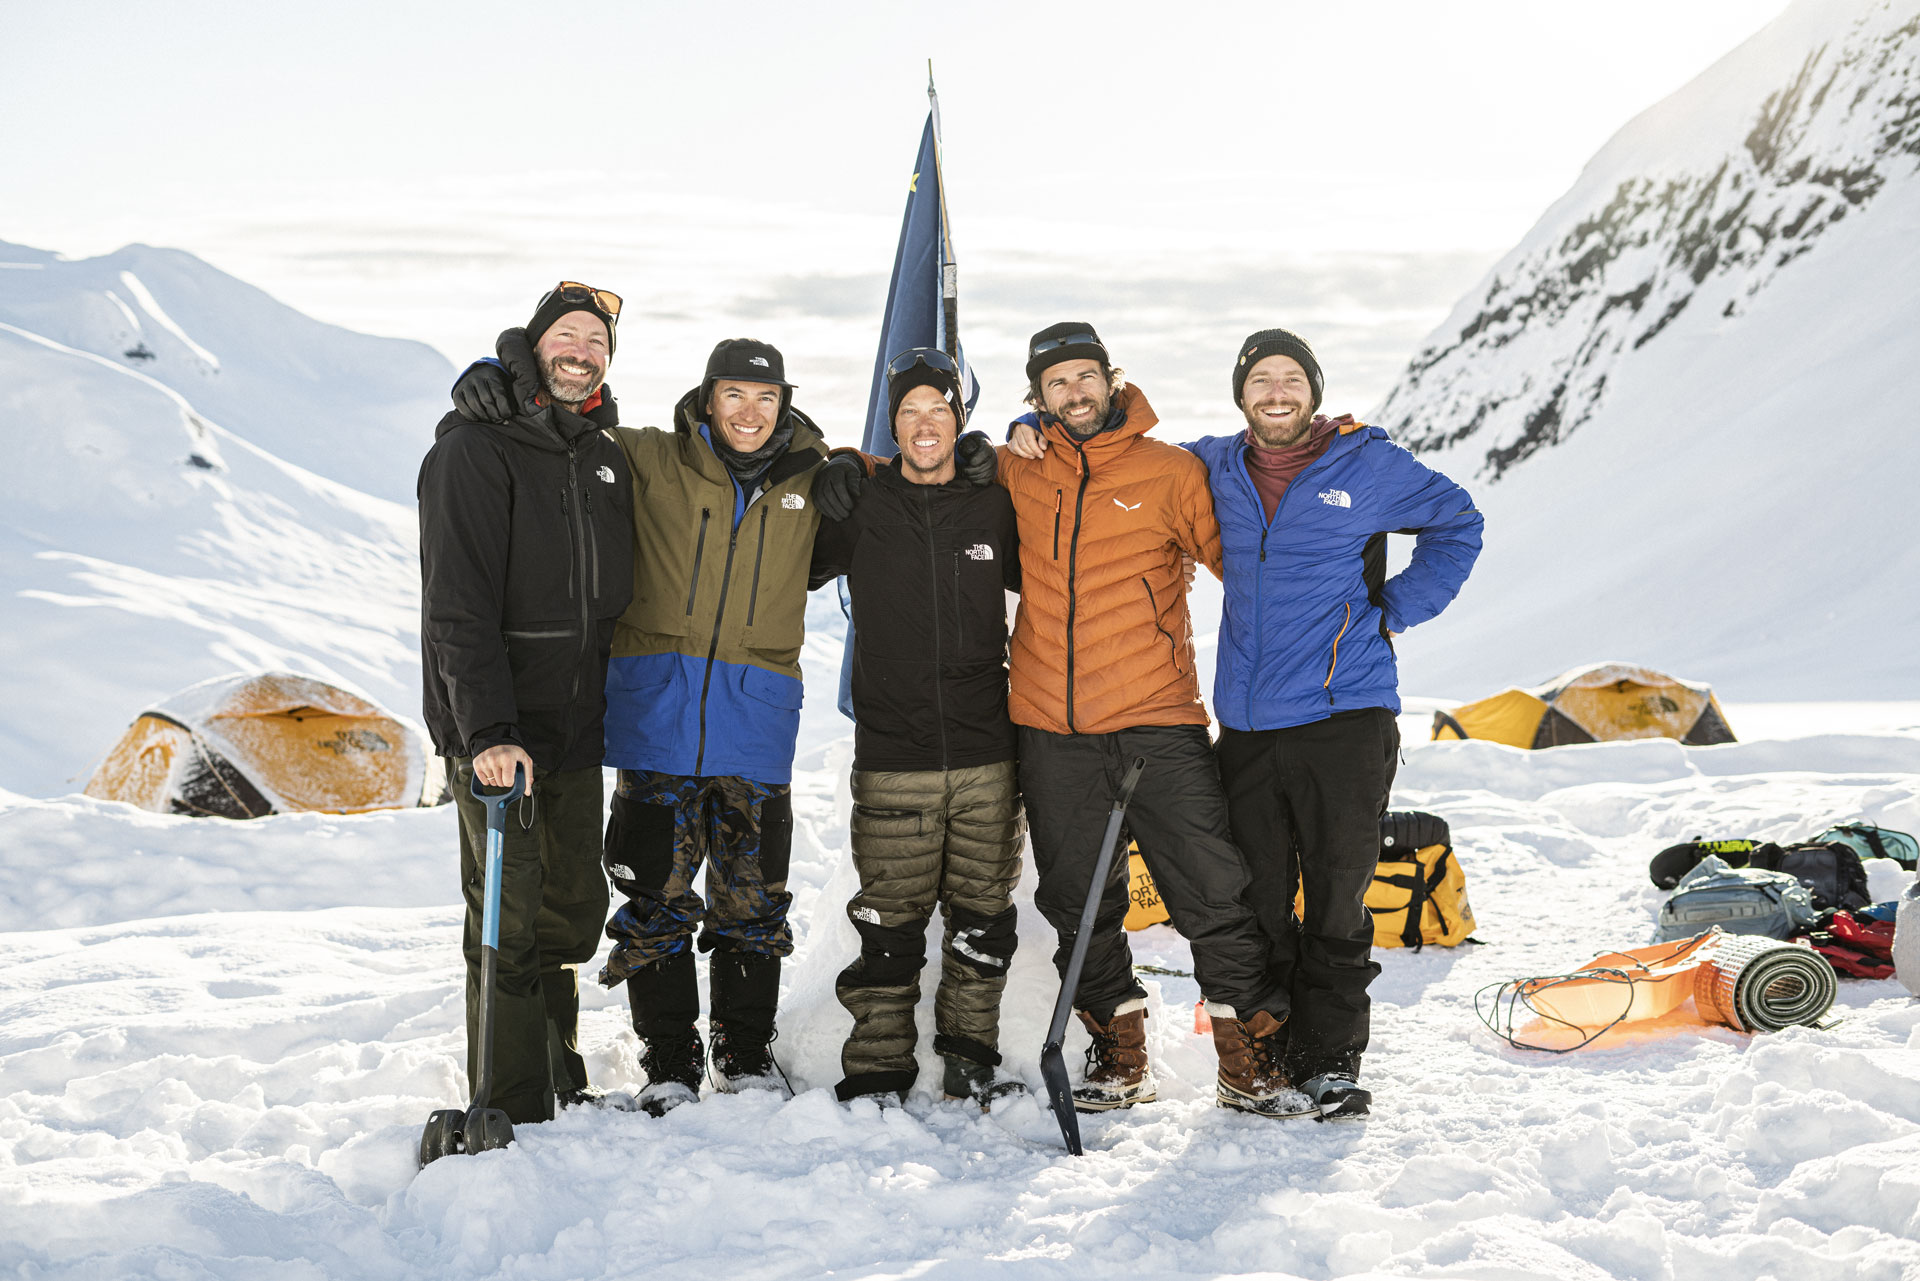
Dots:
pixel 927 567
pixel 526 560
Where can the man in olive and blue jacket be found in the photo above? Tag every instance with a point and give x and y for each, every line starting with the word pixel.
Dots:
pixel 1306 687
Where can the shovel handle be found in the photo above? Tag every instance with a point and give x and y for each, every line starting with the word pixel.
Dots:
pixel 497 802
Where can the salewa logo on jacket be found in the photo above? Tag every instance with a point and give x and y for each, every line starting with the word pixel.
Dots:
pixel 1126 507
pixel 1335 498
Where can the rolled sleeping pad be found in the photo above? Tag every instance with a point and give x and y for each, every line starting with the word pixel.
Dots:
pixel 1753 983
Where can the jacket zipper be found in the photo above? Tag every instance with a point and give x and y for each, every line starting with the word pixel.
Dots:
pixel 959 633
pixel 760 550
pixel 1153 603
pixel 1259 605
pixel 699 550
pixel 584 531
pixel 1334 662
pixel 1073 564
pixel 933 581
pixel 713 647
pixel 1058 495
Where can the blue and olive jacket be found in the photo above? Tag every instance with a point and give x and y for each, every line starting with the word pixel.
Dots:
pixel 1308 603
pixel 705 674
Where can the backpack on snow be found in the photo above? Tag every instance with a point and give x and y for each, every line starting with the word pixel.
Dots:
pixel 1832 872
pixel 1747 900
pixel 1869 841
pixel 1419 891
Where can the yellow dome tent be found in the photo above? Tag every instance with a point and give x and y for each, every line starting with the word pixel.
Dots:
pixel 259 743
pixel 1599 703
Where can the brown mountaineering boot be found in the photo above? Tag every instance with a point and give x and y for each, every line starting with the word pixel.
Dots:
pixel 1117 1072
pixel 1251 1078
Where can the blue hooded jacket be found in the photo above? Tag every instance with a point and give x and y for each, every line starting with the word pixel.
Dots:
pixel 1302 637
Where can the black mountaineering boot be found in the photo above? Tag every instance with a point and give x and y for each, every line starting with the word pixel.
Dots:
pixel 746 992
pixel 665 997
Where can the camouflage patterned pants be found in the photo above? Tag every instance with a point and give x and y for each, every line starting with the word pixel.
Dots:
pixel 920 838
pixel 662 829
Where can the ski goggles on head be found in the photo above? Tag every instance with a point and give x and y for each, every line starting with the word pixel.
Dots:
pixel 1065 340
pixel 931 357
pixel 573 291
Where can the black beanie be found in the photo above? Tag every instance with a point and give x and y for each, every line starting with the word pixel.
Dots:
pixel 921 374
pixel 1047 348
pixel 1277 342
pixel 553 306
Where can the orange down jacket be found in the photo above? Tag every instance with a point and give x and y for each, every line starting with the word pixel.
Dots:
pixel 1103 640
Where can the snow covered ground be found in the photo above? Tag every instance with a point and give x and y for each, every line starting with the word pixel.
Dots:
pixel 218 1043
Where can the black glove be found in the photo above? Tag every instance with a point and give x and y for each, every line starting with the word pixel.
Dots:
pixel 975 456
pixel 516 353
pixel 484 394
pixel 837 486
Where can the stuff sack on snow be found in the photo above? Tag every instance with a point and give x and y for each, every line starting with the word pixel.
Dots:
pixel 1746 900
pixel 1906 940
pixel 1675 861
pixel 1858 944
pixel 1419 891
pixel 1869 841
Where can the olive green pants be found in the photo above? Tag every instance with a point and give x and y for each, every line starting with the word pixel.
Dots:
pixel 553 904
pixel 922 838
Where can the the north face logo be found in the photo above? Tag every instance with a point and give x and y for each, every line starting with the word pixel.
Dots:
pixel 1335 498
pixel 760 361
pixel 979 551
pixel 792 502
pixel 605 473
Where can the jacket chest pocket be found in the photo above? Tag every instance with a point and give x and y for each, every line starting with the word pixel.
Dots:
pixel 972 601
pixel 680 542
pixel 770 554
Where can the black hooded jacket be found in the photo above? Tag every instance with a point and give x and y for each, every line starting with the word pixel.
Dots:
pixel 526 560
pixel 927 566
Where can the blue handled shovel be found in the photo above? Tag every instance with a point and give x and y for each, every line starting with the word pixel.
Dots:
pixel 480 1128
pixel 1053 1064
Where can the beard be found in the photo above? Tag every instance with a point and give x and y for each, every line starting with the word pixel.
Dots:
pixel 569 386
pixel 1102 410
pixel 1268 436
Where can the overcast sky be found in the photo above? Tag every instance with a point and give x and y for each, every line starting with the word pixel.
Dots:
pixel 1176 174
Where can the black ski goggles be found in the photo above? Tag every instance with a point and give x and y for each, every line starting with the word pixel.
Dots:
pixel 931 357
pixel 1067 340
pixel 573 291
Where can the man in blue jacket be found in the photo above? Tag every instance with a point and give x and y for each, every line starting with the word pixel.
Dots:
pixel 1306 689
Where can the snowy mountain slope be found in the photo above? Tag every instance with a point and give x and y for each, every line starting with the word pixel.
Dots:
pixel 239 1093
pixel 352 407
pixel 1685 399
pixel 144 545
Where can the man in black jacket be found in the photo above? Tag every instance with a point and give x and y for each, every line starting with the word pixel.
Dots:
pixel 526 534
pixel 936 811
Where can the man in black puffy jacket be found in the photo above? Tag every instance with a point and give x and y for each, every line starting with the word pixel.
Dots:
pixel 526 560
pixel 936 809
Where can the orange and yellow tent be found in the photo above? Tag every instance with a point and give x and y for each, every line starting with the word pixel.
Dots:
pixel 1594 704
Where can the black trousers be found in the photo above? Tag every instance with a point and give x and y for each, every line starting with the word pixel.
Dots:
pixel 1305 805
pixel 1179 817
pixel 553 902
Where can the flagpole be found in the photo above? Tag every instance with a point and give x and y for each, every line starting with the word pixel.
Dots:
pixel 949 270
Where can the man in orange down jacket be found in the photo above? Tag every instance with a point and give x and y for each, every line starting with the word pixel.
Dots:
pixel 1103 671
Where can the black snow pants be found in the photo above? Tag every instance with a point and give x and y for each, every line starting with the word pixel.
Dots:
pixel 553 903
pixel 1179 817
pixel 1305 804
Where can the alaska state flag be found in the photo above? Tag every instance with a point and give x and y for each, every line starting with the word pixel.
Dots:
pixel 915 317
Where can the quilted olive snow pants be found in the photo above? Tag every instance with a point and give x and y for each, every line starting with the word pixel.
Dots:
pixel 950 837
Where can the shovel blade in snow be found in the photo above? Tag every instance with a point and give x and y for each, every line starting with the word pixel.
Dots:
pixel 486 1129
pixel 1053 1070
pixel 442 1135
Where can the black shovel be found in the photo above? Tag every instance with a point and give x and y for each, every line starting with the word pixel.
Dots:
pixel 1053 1064
pixel 481 1128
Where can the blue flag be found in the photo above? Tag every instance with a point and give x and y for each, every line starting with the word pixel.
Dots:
pixel 916 316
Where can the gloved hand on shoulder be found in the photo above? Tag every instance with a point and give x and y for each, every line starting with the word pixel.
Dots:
pixel 837 486
pixel 973 454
